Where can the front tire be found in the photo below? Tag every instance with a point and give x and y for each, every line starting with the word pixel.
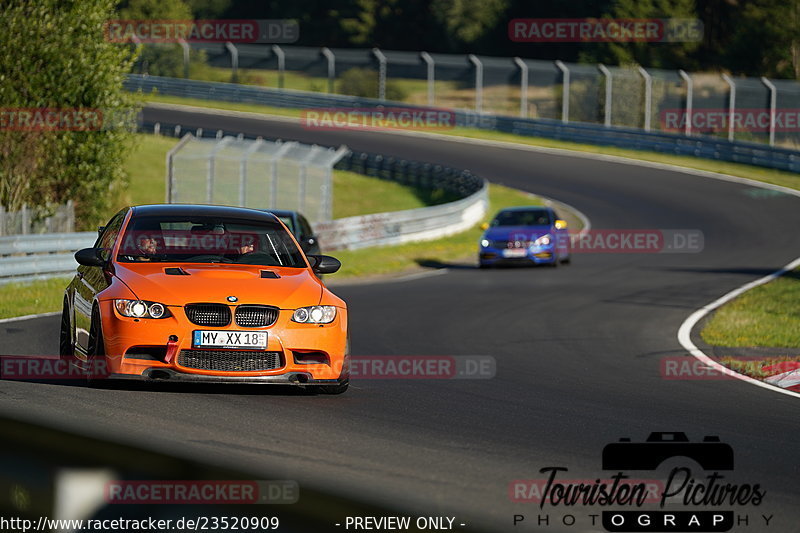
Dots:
pixel 97 351
pixel 65 348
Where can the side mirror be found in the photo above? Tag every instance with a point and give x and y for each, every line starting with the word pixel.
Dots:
pixel 324 264
pixel 485 226
pixel 561 224
pixel 89 257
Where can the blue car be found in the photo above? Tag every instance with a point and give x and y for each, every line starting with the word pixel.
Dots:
pixel 525 235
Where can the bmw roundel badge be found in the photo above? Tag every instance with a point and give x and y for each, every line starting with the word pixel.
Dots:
pixel 233 299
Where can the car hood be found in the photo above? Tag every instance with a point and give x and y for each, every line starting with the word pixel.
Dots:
pixel 506 233
pixel 295 287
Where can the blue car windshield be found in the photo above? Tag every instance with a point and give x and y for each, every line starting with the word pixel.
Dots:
pixel 529 217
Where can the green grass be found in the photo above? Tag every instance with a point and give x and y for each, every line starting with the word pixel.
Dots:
pixel 768 315
pixel 18 299
pixel 776 177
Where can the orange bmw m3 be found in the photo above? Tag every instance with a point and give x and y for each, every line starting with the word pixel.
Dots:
pixel 204 293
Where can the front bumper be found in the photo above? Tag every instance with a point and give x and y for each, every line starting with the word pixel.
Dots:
pixel 142 349
pixel 533 255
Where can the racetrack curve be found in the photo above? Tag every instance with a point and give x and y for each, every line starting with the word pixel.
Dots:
pixel 578 353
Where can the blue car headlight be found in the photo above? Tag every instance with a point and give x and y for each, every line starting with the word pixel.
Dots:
pixel 485 243
pixel 544 240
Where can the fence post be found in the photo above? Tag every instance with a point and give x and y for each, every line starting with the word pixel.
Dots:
pixel 689 91
pixel 381 73
pixel 731 104
pixel 331 67
pixel 2 220
pixel 211 168
pixel 478 82
pixel 234 61
pixel 431 66
pixel 25 219
pixel 523 87
pixel 648 97
pixel 609 81
pixel 278 51
pixel 70 217
pixel 243 169
pixel 185 47
pixel 276 158
pixel 773 100
pixel 565 91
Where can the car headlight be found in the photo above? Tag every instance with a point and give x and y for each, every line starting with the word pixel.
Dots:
pixel 141 309
pixel 318 314
pixel 544 240
pixel 485 243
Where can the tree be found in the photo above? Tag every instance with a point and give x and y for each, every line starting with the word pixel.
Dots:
pixel 57 58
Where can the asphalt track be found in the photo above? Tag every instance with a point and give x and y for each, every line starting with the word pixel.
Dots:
pixel 578 353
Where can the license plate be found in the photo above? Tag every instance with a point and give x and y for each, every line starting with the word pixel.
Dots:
pixel 515 252
pixel 230 339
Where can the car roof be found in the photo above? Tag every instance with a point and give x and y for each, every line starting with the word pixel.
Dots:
pixel 221 211
pixel 280 212
pixel 526 208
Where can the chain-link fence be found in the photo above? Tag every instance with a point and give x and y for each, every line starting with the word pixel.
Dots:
pixel 746 109
pixel 33 220
pixel 253 173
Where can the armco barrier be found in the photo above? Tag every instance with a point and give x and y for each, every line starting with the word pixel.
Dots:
pixel 27 257
pixel 696 146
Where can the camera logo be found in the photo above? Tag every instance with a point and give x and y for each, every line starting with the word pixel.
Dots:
pixel 711 454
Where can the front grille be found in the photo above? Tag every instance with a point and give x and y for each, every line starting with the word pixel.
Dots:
pixel 212 315
pixel 510 244
pixel 255 316
pixel 229 360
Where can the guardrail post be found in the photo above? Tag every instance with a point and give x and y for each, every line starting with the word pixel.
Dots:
pixel 278 51
pixel 523 87
pixel 331 67
pixel 731 104
pixel 2 220
pixel 234 61
pixel 381 73
pixel 564 91
pixel 773 100
pixel 609 81
pixel 648 97
pixel 431 65
pixel 185 47
pixel 170 172
pixel 478 82
pixel 689 92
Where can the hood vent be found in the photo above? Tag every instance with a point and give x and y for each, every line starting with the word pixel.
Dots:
pixel 269 274
pixel 175 271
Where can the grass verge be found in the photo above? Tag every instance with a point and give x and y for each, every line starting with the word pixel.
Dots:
pixel 761 368
pixel 146 162
pixel 18 299
pixel 764 316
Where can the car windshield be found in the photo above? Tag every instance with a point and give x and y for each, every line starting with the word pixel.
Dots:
pixel 194 239
pixel 529 217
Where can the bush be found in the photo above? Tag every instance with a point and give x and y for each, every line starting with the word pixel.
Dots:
pixel 364 82
pixel 71 68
